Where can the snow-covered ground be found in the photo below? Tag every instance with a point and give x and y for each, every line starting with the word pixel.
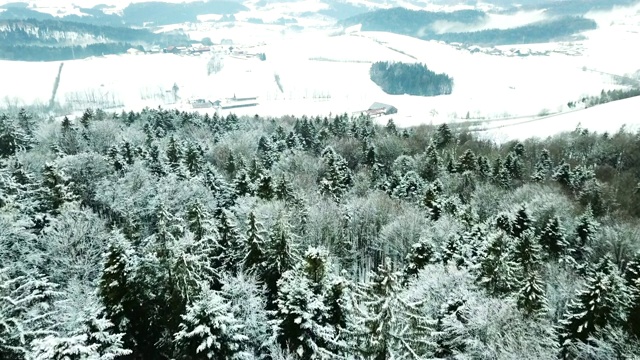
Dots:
pixel 609 117
pixel 321 73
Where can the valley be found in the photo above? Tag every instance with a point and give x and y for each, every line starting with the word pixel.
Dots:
pixel 315 66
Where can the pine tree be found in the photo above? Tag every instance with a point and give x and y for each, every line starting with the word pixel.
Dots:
pixel 192 159
pixel 484 169
pixel 56 188
pixel 284 190
pixel 432 166
pixel 118 288
pixel 242 183
pixel 300 317
pixel 316 267
pixel 563 175
pixel 467 162
pixel 86 118
pixel 337 178
pixel 209 330
pixel 432 202
pixel 421 255
pixel 279 258
pixel 174 153
pixel 91 336
pixel 513 164
pixel 521 223
pixel 25 311
pixel 370 156
pixel 450 319
pixel 585 236
pixel 602 301
pixel 264 189
pixel 552 238
pixel 531 296
pixel 498 270
pixel 254 245
pixel 389 328
pixel 528 252
pixel 444 136
pixel 228 251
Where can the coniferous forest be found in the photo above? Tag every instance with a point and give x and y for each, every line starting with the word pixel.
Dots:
pixel 173 235
pixel 398 78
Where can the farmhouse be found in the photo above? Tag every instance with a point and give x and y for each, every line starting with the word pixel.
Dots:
pixel 201 104
pixel 377 109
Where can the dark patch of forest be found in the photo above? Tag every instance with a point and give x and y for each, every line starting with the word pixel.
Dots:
pixel 171 235
pixel 397 78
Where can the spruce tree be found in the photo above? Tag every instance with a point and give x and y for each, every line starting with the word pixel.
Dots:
pixel 528 252
pixel 242 183
pixel 421 255
pixel 279 258
pixel 174 153
pixel 254 250
pixel 514 166
pixel 467 162
pixel 209 330
pixel 432 202
pixel 389 327
pixel 264 189
pixel 602 301
pixel 498 271
pixel 552 238
pixel 521 223
pixel 301 317
pixel 431 169
pixel 444 136
pixel 531 297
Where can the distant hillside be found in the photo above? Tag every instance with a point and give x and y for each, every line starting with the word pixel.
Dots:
pixel 136 14
pixel 47 40
pixel 539 32
pixel 423 24
pixel 411 22
pixel 572 7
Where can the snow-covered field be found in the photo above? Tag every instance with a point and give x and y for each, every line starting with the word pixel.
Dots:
pixel 320 73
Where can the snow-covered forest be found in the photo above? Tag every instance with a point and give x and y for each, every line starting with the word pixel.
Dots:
pixel 173 235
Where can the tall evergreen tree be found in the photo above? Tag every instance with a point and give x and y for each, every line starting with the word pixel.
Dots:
pixel 421 255
pixel 279 258
pixel 254 245
pixel 389 327
pixel 602 301
pixel 209 330
pixel 531 296
pixel 552 238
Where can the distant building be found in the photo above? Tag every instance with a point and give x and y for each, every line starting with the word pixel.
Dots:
pixel 201 104
pixel 377 109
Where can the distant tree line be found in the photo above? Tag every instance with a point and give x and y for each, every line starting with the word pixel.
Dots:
pixel 605 97
pixel 51 53
pixel 423 25
pixel 135 14
pixel 414 79
pixel 411 22
pixel 539 32
pixel 48 40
